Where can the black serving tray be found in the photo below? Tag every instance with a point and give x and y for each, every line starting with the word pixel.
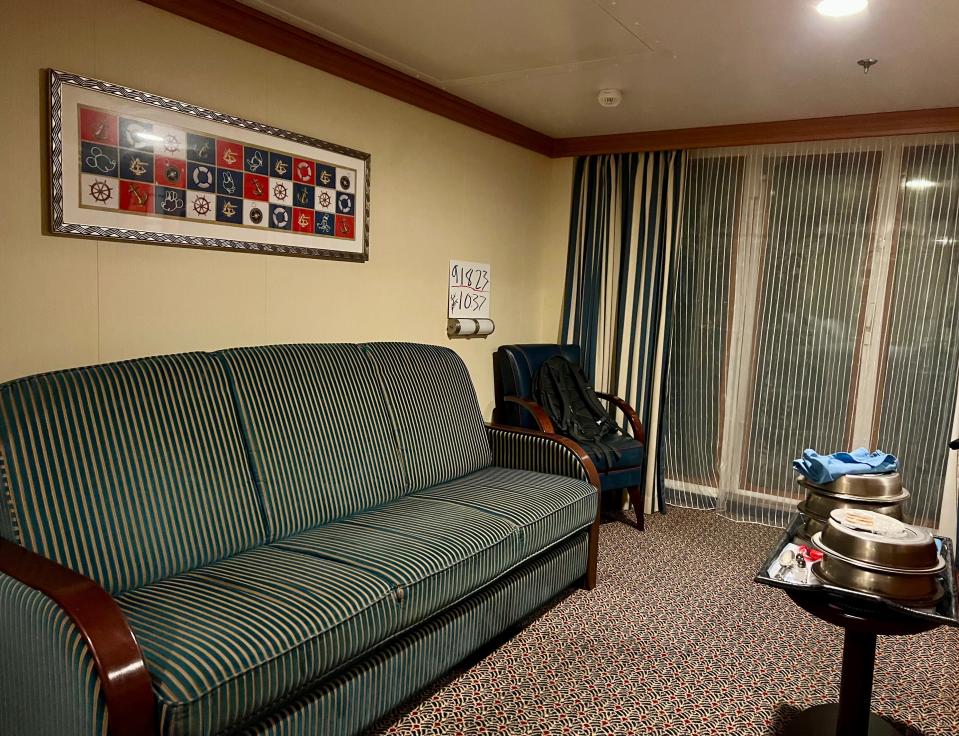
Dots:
pixel 945 612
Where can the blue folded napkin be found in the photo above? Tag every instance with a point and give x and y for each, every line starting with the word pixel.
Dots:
pixel 827 468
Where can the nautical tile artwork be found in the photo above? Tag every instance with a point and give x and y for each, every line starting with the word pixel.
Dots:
pixel 143 167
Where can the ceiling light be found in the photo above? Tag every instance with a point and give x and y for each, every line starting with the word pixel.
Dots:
pixel 836 8
pixel 919 184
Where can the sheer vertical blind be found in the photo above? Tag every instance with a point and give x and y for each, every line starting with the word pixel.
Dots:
pixel 700 340
pixel 815 306
pixel 917 383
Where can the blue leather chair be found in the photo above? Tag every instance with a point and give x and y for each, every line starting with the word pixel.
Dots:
pixel 513 369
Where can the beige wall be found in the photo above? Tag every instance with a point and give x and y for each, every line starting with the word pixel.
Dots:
pixel 439 190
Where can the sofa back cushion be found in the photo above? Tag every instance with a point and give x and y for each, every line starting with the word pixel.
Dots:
pixel 433 406
pixel 319 444
pixel 127 472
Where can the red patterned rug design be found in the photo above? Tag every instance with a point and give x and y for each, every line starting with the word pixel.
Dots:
pixel 678 641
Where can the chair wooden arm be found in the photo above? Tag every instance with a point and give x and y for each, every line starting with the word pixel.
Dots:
pixel 123 674
pixel 631 416
pixel 539 413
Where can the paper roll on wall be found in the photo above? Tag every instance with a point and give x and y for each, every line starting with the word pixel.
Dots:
pixel 470 327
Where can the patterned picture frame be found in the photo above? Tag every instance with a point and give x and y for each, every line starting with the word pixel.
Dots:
pixel 133 166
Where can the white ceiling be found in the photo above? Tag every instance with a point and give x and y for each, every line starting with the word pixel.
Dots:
pixel 679 63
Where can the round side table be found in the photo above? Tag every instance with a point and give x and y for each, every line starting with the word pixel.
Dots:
pixel 852 715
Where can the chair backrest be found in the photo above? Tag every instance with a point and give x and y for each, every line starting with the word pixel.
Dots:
pixel 432 404
pixel 513 369
pixel 127 472
pixel 318 446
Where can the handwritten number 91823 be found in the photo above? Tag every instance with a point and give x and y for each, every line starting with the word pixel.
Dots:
pixel 476 279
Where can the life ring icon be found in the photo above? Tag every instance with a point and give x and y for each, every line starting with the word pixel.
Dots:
pixel 281 218
pixel 304 171
pixel 202 177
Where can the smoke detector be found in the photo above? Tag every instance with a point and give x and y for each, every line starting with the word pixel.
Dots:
pixel 610 97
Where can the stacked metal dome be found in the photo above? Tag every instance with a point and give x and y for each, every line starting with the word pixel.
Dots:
pixel 881 493
pixel 880 555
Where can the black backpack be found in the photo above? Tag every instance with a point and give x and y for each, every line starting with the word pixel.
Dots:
pixel 561 388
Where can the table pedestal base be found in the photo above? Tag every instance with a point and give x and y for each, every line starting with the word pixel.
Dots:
pixel 852 715
pixel 820 720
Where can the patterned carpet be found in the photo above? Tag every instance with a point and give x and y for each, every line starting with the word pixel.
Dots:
pixel 678 641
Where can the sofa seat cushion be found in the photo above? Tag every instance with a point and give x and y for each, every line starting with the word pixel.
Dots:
pixel 544 508
pixel 225 641
pixel 429 551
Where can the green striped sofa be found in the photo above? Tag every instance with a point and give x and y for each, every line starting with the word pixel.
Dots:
pixel 287 539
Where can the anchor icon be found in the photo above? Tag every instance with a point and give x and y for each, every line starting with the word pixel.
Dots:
pixel 139 196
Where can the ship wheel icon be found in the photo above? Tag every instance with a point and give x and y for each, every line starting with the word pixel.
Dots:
pixel 101 191
pixel 201 205
pixel 280 192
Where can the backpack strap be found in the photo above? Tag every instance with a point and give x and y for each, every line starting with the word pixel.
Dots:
pixel 606 422
pixel 561 388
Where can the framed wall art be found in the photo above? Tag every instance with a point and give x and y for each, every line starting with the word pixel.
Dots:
pixel 130 165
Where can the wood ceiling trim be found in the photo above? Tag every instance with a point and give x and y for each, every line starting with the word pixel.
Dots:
pixel 908 122
pixel 265 31
pixel 251 25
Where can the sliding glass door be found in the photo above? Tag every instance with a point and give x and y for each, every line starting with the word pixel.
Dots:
pixel 916 397
pixel 702 327
pixel 815 307
pixel 813 277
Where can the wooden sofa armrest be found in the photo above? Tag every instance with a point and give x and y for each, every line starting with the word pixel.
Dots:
pixel 124 679
pixel 539 413
pixel 631 416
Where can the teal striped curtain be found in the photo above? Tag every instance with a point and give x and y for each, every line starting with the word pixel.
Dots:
pixel 622 237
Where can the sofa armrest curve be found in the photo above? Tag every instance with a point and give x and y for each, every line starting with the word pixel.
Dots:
pixel 629 412
pixel 527 449
pixel 124 680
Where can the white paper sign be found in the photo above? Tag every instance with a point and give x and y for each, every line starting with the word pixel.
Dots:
pixel 470 285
